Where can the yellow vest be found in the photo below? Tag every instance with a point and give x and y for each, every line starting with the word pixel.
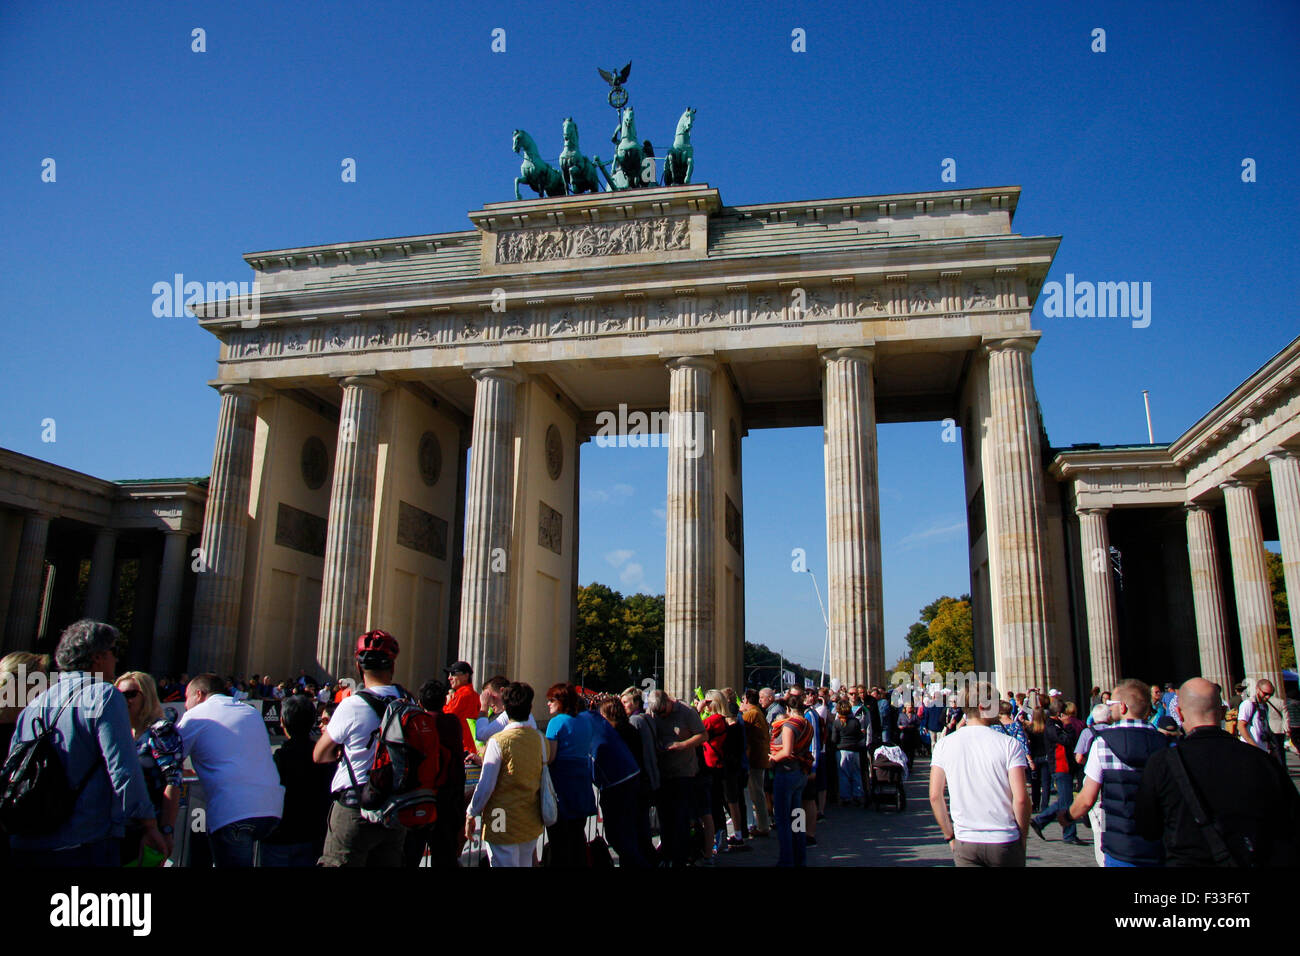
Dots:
pixel 513 814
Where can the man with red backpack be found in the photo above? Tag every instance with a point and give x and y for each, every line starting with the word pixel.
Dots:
pixel 390 763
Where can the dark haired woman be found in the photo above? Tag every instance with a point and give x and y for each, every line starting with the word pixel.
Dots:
pixel 569 754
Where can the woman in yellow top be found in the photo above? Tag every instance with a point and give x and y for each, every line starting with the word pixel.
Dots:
pixel 509 791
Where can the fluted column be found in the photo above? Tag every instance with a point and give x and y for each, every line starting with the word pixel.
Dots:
pixel 1284 468
pixel 101 574
pixel 1022 629
pixel 171 581
pixel 215 630
pixel 1207 597
pixel 853 562
pixel 489 506
pixel 1255 620
pixel 345 587
pixel 29 580
pixel 1099 596
pixel 688 569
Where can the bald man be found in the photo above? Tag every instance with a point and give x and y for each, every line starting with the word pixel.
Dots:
pixel 1239 792
pixel 1253 724
pixel 1113 772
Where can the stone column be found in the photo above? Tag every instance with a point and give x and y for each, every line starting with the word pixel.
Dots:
pixel 689 559
pixel 1207 598
pixel 29 582
pixel 101 575
pixel 1099 596
pixel 171 580
pixel 345 588
pixel 215 629
pixel 1255 620
pixel 1022 629
pixel 489 508
pixel 1284 468
pixel 853 561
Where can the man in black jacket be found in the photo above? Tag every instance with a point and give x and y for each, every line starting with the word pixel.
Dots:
pixel 1244 795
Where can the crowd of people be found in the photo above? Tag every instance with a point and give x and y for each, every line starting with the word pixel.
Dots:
pixel 367 774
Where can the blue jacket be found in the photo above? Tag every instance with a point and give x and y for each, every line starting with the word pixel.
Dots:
pixel 94 731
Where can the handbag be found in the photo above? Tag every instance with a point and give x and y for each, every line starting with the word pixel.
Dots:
pixel 550 803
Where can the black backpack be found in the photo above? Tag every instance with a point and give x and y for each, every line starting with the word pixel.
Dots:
pixel 35 798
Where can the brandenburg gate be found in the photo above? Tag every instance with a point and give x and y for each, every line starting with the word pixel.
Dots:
pixel 400 424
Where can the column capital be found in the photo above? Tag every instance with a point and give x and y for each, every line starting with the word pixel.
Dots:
pixel 366 379
pixel 1001 343
pixel 705 363
pixel 860 353
pixel 1238 483
pixel 1093 511
pixel 1280 454
pixel 504 373
pixel 240 388
pixel 1193 506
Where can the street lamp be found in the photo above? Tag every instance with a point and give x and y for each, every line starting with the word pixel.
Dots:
pixel 827 643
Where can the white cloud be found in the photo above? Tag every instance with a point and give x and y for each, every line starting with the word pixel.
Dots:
pixel 618 558
pixel 604 496
pixel 623 491
pixel 632 576
pixel 934 533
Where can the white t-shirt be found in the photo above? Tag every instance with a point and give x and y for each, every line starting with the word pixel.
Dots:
pixel 231 752
pixel 354 727
pixel 976 760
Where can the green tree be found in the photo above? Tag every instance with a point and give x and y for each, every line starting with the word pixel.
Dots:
pixel 1281 610
pixel 952 637
pixel 603 650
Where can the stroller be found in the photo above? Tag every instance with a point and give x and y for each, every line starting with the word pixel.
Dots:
pixel 886 784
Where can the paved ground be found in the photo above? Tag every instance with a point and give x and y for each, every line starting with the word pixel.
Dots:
pixel 851 836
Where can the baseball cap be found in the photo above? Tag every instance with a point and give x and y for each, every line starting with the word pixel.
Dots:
pixel 460 667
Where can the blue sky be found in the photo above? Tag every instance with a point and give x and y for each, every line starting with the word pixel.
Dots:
pixel 173 161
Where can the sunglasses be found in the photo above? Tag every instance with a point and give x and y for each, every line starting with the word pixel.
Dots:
pixel 130 694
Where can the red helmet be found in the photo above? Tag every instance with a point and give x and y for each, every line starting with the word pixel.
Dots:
pixel 374 645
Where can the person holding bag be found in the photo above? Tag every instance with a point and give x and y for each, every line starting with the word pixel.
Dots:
pixel 514 788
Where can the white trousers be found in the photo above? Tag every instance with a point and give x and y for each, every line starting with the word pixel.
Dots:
pixel 510 854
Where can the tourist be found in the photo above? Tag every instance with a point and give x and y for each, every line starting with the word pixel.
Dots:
pixel 772 708
pixel 909 731
pixel 1114 772
pixel 20 673
pixel 1253 721
pixel 445 836
pixel 351 738
pixel 97 751
pixel 758 754
pixel 299 840
pixel 464 704
pixel 159 748
pixel 569 755
pixel 1059 741
pixel 1098 720
pixel 648 757
pixel 792 766
pixel 226 741
pixel 617 776
pixel 508 793
pixel 735 773
pixel 794 698
pixel 1240 808
pixel 934 718
pixel 1036 732
pixel 984 773
pixel 1015 729
pixel 715 734
pixel 492 716
pixel 678 730
pixel 846 737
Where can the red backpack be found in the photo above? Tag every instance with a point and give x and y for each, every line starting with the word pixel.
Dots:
pixel 410 764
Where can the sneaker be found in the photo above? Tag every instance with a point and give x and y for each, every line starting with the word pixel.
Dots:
pixel 1076 842
pixel 735 841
